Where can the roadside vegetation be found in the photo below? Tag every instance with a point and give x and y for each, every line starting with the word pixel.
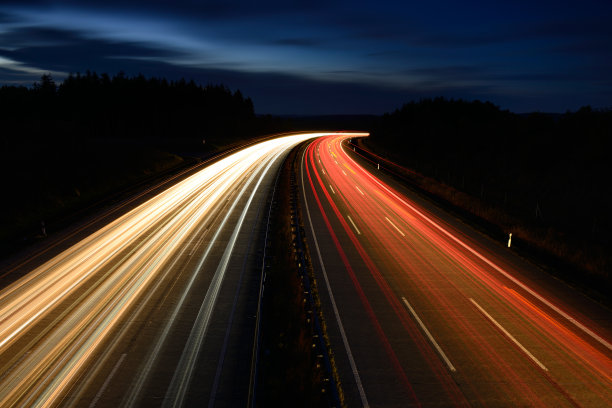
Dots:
pixel 545 178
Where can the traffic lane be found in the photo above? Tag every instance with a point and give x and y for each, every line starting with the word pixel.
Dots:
pixel 222 366
pixel 398 317
pixel 334 161
pixel 222 375
pixel 561 334
pixel 395 370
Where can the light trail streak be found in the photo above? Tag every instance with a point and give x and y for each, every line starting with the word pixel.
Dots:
pixel 177 391
pixel 441 269
pixel 145 371
pixel 54 320
pixel 390 352
pixel 107 381
pixel 345 342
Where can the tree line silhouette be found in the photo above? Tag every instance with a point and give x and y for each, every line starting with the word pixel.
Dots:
pixel 100 106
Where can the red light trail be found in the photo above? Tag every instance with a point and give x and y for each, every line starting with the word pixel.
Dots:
pixel 474 318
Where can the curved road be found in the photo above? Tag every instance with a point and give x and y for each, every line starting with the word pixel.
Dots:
pixel 159 300
pixel 424 311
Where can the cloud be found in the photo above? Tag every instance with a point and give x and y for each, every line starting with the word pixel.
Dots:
pixel 6 18
pixel 450 71
pixel 68 50
pixel 483 73
pixel 202 10
pixel 17 72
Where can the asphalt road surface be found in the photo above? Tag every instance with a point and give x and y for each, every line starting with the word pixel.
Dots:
pixel 158 307
pixel 422 310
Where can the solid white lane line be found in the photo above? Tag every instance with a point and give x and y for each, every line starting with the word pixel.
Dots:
pixel 354 226
pixel 394 226
pixel 362 395
pixel 429 336
pixel 515 341
pixel 107 381
pixel 358 189
pixel 332 189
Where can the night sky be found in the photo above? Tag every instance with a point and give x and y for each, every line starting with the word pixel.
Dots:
pixel 328 57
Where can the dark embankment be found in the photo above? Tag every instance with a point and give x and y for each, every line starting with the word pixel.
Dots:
pixel 67 147
pixel 542 177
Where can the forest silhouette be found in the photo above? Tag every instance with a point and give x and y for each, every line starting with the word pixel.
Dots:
pixel 100 106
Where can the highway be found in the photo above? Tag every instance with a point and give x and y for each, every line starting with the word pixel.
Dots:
pixel 158 307
pixel 422 310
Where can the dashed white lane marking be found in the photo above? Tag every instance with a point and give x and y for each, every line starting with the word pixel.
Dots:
pixel 429 336
pixel 394 226
pixel 515 341
pixel 354 226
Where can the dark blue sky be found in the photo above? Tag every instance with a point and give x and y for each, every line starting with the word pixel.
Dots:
pixel 328 56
